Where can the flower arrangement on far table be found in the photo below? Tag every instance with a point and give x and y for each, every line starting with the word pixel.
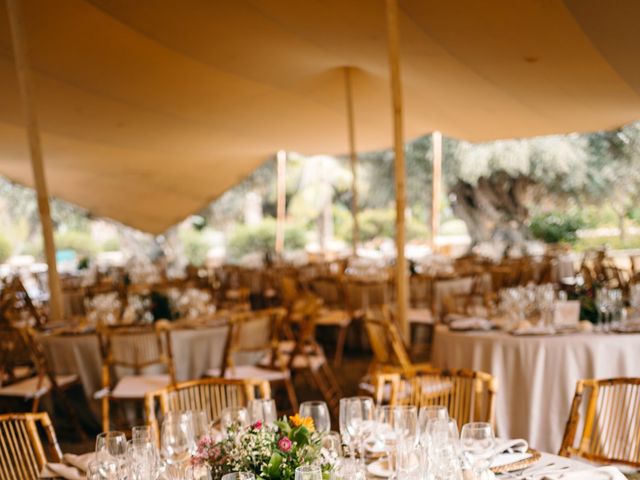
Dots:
pixel 271 453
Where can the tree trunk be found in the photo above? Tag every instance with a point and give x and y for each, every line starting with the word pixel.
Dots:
pixel 494 209
pixel 622 227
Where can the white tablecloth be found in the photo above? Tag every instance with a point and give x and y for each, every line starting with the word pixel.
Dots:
pixel 537 375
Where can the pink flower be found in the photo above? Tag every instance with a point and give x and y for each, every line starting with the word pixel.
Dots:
pixel 257 425
pixel 284 444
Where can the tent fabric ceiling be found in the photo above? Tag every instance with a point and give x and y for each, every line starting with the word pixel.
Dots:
pixel 150 109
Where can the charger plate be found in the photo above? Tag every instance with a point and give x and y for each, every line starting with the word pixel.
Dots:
pixel 519 465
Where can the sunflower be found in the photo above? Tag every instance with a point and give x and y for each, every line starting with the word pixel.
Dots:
pixel 306 422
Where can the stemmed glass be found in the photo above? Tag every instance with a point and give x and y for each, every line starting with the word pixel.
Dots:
pixel 405 419
pixel 262 410
pixel 233 417
pixel 428 415
pixel 358 412
pixel 602 304
pixel 478 446
pixel 615 307
pixel 319 412
pixel 111 453
pixel 177 442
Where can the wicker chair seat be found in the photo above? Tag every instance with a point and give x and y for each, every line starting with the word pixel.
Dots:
pixel 137 386
pixel 35 387
pixel 241 372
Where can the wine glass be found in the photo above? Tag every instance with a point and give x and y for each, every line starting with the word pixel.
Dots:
pixel 359 420
pixel 231 417
pixel 262 410
pixel 405 426
pixel 111 452
pixel 478 446
pixel 428 415
pixel 176 442
pixel 602 304
pixel 308 472
pixel 200 424
pixel 344 431
pixel 319 412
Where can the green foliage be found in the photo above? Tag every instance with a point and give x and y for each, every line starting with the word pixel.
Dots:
pixel 631 242
pixel 5 249
pixel 111 245
pixel 78 241
pixel 261 238
pixel 194 245
pixel 554 227
pixel 381 223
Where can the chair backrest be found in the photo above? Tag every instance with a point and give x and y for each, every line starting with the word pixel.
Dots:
pixel 253 332
pixel 16 357
pixel 604 421
pixel 331 289
pixel 468 395
pixel 385 340
pixel 136 348
pixel 211 395
pixel 22 453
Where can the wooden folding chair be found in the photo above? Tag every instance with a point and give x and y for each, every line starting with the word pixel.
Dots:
pixel 133 349
pixel 257 333
pixel 211 395
pixel 25 374
pixel 22 452
pixel 604 422
pixel 468 395
pixel 334 311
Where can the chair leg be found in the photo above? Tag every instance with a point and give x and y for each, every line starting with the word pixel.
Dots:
pixel 340 342
pixel 291 393
pixel 105 414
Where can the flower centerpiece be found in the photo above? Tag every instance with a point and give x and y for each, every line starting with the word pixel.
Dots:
pixel 271 453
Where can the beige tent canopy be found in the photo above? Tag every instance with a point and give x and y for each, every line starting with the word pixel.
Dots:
pixel 149 109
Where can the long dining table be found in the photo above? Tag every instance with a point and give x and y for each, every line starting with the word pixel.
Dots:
pixel 537 375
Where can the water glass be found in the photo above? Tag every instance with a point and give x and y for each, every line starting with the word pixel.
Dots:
pixel 262 410
pixel 105 469
pixel 478 446
pixel 141 433
pixel 200 424
pixel 142 458
pixel 308 472
pixel 239 476
pixel 319 412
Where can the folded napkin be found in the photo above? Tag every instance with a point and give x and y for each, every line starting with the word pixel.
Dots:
pixel 470 323
pixel 81 462
pixel 515 445
pixel 60 470
pixel 602 473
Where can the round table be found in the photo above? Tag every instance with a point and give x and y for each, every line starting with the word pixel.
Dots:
pixel 537 375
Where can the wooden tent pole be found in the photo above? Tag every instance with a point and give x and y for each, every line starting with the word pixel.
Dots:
pixel 281 198
pixel 18 37
pixel 353 156
pixel 436 188
pixel 402 293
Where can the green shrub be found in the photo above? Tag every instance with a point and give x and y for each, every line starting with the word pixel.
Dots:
pixel 261 238
pixel 78 241
pixel 194 246
pixel 554 227
pixel 381 223
pixel 5 249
